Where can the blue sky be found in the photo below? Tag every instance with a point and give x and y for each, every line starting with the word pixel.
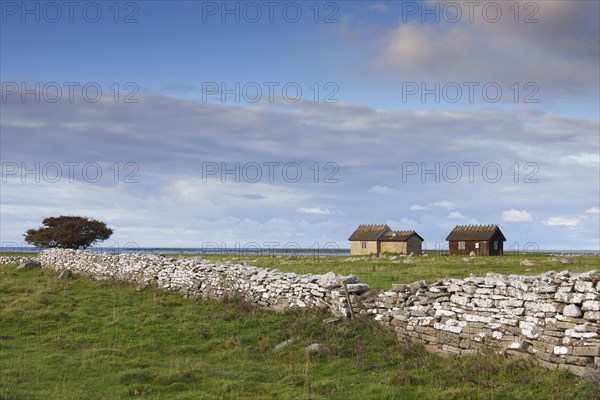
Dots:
pixel 417 114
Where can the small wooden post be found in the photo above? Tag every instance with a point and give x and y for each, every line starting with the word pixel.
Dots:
pixel 349 302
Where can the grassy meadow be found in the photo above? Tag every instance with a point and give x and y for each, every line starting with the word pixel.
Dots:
pixel 381 273
pixel 82 339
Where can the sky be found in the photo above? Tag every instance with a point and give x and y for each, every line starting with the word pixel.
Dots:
pixel 288 124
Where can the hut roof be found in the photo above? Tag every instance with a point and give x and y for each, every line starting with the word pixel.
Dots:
pixel 474 232
pixel 398 236
pixel 369 232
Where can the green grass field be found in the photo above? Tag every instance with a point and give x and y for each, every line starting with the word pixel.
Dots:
pixel 82 339
pixel 382 273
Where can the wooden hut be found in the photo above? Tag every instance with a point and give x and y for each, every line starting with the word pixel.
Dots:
pixel 483 240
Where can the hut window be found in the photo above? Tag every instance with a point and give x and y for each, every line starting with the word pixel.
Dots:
pixel 495 245
pixel 363 245
pixel 461 245
pixel 477 245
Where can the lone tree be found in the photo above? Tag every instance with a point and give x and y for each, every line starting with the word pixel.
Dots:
pixel 68 232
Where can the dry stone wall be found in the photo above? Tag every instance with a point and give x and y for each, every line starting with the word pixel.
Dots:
pixel 553 318
pixel 14 259
pixel 196 277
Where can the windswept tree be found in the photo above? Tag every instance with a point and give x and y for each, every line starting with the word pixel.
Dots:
pixel 68 232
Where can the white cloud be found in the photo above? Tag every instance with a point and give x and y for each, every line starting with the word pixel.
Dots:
pixel 591 160
pixel 456 215
pixel 214 194
pixel 441 204
pixel 381 189
pixel 513 215
pixel 314 210
pixel 593 210
pixel 378 7
pixel 444 204
pixel 19 123
pixel 561 221
pixel 402 224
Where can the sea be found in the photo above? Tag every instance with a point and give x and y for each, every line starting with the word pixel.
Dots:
pixel 274 252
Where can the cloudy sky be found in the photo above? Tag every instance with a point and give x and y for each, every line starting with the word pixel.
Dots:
pixel 185 124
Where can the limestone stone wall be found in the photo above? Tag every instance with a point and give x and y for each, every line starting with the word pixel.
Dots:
pixel 394 247
pixel 356 248
pixel 553 318
pixel 14 259
pixel 199 278
pixel 412 245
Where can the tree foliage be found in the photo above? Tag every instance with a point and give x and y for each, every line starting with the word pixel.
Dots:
pixel 68 232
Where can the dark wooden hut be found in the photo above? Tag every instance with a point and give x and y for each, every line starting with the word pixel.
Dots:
pixel 483 240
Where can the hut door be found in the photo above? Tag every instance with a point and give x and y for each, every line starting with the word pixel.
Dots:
pixel 483 249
